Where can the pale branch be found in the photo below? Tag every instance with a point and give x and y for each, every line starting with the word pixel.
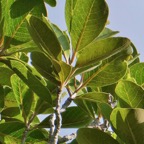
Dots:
pixel 54 137
pixel 67 138
pixel 66 104
pixel 52 127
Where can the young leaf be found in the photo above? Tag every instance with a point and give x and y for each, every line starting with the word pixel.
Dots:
pixel 44 37
pixel 31 80
pixel 85 20
pixel 130 94
pixel 100 50
pixel 94 136
pixel 128 124
pixel 137 72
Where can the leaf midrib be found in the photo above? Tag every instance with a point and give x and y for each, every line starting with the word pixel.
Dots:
pixel 84 27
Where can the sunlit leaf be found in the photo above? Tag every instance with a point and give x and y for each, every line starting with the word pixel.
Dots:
pixel 107 74
pixel 137 72
pixel 85 20
pixel 130 94
pixel 129 124
pixel 14 14
pixel 100 50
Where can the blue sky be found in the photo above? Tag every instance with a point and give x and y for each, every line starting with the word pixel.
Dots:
pixel 125 16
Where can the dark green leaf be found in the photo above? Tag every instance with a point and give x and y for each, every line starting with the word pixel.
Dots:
pixel 51 2
pixel 44 37
pixel 45 67
pixel 73 117
pixel 129 124
pixel 94 136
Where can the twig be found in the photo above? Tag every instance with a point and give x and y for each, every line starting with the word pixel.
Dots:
pixel 27 129
pixel 24 135
pixel 67 138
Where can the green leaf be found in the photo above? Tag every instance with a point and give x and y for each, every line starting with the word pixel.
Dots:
pixel 104 110
pixel 130 94
pixel 28 78
pixel 10 127
pixel 73 117
pixel 2 96
pixel 23 95
pixel 85 69
pixel 106 33
pixel 26 47
pixel 12 114
pixel 44 37
pixel 85 20
pixel 128 124
pixel 100 50
pixel 14 14
pixel 107 74
pixel 51 2
pixel 94 136
pixel 137 72
pixel 5 74
pixel 63 69
pixel 22 7
pixel 88 102
pixel 64 41
pixel 45 67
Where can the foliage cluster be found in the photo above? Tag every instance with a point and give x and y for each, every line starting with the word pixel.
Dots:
pixel 87 64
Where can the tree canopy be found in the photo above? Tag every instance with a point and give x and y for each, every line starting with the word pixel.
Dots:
pixel 85 77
